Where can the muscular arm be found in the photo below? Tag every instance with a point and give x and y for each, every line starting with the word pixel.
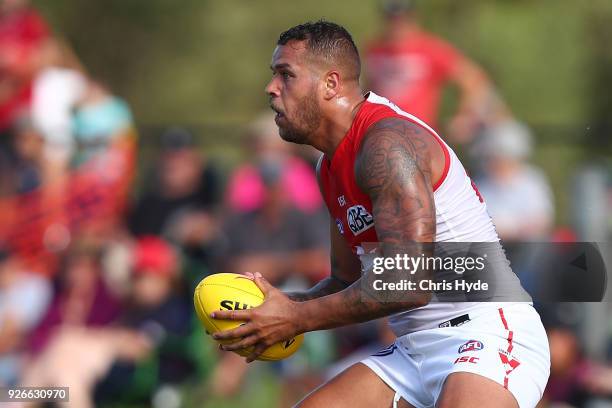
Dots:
pixel 394 168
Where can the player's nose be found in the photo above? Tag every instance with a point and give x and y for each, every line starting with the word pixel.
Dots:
pixel 272 88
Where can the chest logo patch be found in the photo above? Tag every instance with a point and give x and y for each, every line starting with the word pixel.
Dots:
pixel 359 219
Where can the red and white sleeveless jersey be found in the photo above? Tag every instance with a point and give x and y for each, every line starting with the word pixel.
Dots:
pixel 461 214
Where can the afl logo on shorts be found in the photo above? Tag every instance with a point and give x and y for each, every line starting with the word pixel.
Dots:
pixel 359 219
pixel 472 345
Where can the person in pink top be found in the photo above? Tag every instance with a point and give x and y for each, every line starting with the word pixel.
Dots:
pixel 411 67
pixel 246 190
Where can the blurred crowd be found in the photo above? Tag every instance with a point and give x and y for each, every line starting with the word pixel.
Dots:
pixel 96 280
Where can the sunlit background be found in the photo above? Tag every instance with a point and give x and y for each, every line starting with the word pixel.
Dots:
pixel 137 155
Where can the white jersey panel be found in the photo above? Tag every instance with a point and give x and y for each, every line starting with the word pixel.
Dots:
pixel 461 216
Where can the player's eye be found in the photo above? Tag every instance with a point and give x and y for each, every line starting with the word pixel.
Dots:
pixel 285 75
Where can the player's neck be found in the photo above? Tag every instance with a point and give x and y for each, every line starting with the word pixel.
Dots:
pixel 337 123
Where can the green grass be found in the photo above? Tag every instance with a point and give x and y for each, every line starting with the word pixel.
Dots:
pixel 260 390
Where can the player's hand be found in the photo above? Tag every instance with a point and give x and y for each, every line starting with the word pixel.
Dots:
pixel 276 319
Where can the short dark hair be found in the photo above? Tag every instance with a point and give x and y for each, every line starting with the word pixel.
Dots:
pixel 329 41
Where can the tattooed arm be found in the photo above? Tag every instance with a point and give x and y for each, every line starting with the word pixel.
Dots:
pixel 394 168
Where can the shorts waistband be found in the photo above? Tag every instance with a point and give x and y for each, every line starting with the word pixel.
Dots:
pixel 473 314
pixel 459 318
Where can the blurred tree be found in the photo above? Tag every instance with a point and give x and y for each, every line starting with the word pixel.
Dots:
pixel 204 61
pixel 599 72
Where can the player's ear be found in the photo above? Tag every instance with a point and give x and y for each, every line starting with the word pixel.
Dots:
pixel 332 84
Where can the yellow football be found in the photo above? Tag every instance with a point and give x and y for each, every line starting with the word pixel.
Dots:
pixel 231 291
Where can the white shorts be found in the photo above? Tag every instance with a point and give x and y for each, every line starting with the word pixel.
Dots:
pixel 507 345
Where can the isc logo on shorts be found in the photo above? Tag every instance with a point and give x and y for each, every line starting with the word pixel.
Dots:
pixel 472 345
pixel 466 359
pixel 359 219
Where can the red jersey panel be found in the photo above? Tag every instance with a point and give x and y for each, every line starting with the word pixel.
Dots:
pixel 350 207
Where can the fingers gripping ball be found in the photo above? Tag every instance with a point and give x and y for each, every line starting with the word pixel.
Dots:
pixel 230 291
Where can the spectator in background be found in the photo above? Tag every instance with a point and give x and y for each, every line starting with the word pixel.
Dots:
pixel 155 313
pixel 82 299
pixel 568 368
pixel 100 120
pixel 21 170
pixel 24 298
pixel 276 239
pixel 102 163
pixel 518 195
pixel 42 79
pixel 575 379
pixel 246 189
pixel 57 88
pixel 410 66
pixel 181 198
pixel 84 127
pixel 104 358
pixel 22 33
pixel 60 354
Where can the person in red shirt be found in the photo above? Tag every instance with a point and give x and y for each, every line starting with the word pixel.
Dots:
pixel 411 67
pixel 22 33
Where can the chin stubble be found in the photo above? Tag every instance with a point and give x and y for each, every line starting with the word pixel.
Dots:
pixel 307 118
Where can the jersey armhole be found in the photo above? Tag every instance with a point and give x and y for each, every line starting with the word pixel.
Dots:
pixel 446 163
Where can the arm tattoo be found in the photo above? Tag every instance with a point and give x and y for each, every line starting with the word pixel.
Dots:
pixel 393 167
pixel 325 287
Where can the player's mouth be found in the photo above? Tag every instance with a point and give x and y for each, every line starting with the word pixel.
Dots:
pixel 279 118
pixel 279 114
